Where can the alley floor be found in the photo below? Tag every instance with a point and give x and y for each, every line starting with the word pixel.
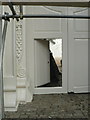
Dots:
pixel 53 106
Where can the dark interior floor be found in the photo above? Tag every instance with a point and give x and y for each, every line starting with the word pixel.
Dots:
pixel 53 106
pixel 54 83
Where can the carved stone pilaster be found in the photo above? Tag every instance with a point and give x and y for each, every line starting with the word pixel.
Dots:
pixel 19 47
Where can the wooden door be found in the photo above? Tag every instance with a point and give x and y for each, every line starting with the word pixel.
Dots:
pixel 42 62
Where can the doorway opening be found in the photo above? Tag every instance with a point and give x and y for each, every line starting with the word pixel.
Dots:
pixel 49 63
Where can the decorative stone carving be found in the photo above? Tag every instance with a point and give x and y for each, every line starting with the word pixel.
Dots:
pixel 19 46
pixel 19 41
pixel 21 73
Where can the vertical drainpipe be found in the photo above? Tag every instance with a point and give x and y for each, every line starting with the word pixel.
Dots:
pixel 2 44
pixel 1 69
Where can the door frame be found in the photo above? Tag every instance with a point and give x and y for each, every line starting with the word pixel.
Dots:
pixel 52 90
pixel 64 88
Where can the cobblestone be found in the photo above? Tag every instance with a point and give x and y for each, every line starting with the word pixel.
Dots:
pixel 53 106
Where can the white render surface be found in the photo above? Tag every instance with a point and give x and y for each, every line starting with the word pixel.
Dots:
pixel 19 73
pixel 14 66
pixel 78 51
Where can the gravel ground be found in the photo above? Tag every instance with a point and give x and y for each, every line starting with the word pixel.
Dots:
pixel 53 106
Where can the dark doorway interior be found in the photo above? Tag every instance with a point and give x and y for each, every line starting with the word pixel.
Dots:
pixel 55 46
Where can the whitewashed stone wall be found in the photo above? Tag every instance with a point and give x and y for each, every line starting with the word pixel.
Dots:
pixel 14 64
